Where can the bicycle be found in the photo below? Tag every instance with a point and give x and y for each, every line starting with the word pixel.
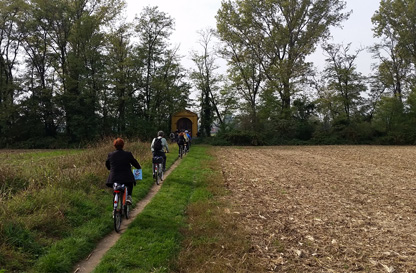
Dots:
pixel 157 165
pixel 120 206
pixel 181 151
pixel 185 147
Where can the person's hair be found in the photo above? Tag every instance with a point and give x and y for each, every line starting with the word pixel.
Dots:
pixel 118 143
pixel 160 133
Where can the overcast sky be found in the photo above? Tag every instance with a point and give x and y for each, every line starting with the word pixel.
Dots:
pixel 193 15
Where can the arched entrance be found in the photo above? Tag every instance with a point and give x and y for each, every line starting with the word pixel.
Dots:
pixel 184 124
pixel 185 120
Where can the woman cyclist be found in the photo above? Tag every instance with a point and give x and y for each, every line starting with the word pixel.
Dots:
pixel 119 163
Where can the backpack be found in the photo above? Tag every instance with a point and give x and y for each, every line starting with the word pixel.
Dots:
pixel 181 140
pixel 157 145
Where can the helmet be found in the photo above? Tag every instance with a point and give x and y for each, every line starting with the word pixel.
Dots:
pixel 160 133
pixel 186 131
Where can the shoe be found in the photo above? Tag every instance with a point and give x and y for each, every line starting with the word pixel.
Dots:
pixel 129 200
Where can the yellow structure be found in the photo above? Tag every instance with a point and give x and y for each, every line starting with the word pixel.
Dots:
pixel 185 120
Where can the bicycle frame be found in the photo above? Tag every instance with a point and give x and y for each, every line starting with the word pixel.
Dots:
pixel 120 207
pixel 117 194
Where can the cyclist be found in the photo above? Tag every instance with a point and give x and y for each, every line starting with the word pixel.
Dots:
pixel 172 137
pixel 181 141
pixel 159 146
pixel 119 163
pixel 189 139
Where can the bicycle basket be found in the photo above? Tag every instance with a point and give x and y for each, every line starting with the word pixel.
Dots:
pixel 157 159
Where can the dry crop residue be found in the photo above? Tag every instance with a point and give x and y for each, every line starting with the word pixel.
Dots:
pixel 326 209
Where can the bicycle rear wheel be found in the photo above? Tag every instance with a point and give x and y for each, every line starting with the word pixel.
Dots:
pixel 117 220
pixel 157 178
pixel 160 172
pixel 127 211
pixel 117 214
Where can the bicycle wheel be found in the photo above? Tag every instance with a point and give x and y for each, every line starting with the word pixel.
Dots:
pixel 127 211
pixel 126 206
pixel 180 151
pixel 161 172
pixel 156 173
pixel 117 213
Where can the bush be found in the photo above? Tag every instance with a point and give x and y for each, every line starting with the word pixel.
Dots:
pixel 244 138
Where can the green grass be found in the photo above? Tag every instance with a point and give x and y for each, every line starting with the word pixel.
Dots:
pixel 65 209
pixel 63 255
pixel 58 206
pixel 153 239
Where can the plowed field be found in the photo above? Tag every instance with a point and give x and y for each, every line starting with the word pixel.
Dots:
pixel 325 209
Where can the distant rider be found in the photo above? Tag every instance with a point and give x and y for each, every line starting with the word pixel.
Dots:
pixel 159 146
pixel 181 142
pixel 119 163
pixel 189 139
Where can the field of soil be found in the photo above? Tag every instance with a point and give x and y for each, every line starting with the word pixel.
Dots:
pixel 325 209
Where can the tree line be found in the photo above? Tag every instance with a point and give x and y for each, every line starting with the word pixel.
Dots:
pixel 283 99
pixel 76 71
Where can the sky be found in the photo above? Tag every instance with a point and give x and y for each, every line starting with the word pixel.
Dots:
pixel 194 15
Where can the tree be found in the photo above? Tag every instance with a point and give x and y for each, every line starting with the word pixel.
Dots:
pixel 279 34
pixel 120 66
pixel 394 66
pixel 11 13
pixel 397 19
pixel 343 78
pixel 153 28
pixel 207 81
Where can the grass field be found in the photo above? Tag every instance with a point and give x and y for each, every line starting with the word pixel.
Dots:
pixel 54 200
pixel 283 209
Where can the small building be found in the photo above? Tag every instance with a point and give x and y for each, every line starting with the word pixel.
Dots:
pixel 185 120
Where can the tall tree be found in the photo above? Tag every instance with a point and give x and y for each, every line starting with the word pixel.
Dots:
pixel 11 13
pixel 343 77
pixel 118 96
pixel 206 81
pixel 280 34
pixel 154 29
pixel 394 67
pixel 398 18
pixel 40 75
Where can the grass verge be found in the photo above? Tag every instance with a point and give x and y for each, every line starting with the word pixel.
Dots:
pixel 154 238
pixel 214 240
pixel 185 228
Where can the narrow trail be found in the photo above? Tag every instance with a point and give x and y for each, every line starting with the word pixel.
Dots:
pixel 107 242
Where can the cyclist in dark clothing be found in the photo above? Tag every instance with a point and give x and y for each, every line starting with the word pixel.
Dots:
pixel 119 163
pixel 181 141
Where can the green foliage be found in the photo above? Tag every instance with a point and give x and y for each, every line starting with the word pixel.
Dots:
pixel 83 78
pixel 259 34
pixel 389 114
pixel 242 138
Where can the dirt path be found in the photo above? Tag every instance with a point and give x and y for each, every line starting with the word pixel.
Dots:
pixel 107 242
